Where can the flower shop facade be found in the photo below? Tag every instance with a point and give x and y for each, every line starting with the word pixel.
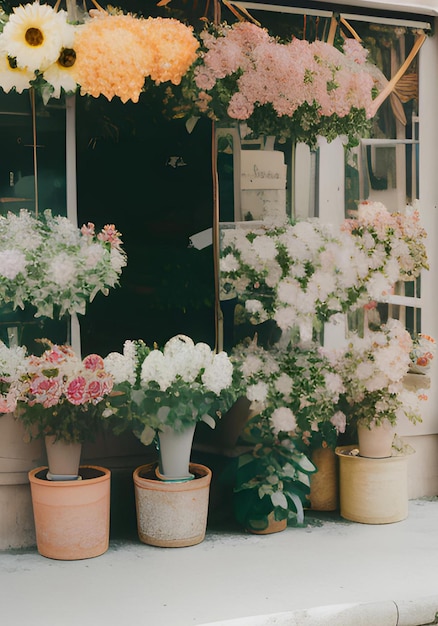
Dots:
pixel 180 160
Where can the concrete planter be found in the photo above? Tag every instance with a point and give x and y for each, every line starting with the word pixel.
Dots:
pixel 171 514
pixel 17 457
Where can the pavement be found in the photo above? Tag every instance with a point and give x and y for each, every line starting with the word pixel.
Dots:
pixel 329 573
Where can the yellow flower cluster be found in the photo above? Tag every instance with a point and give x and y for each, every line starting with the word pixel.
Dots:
pixel 174 48
pixel 115 53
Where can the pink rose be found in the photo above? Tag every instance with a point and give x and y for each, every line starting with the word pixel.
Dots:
pixel 93 362
pixel 47 391
pixel 75 391
pixel 95 391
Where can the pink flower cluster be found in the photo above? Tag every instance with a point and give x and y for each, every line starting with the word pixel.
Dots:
pixel 60 376
pixel 400 234
pixel 284 75
pixel 108 234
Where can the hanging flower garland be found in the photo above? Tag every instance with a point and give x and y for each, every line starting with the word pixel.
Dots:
pixel 115 53
pixel 110 54
pixel 298 89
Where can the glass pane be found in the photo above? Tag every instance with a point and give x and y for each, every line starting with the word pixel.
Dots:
pixel 20 141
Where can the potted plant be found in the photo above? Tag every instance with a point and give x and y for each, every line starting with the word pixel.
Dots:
pixel 292 391
pixel 62 399
pixel 373 474
pixel 55 268
pixel 161 394
pixel 372 369
pixel 280 88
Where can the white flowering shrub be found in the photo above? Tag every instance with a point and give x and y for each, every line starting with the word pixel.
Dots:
pixel 176 386
pixel 302 274
pixel 49 263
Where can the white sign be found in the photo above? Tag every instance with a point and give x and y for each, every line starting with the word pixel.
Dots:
pixel 262 169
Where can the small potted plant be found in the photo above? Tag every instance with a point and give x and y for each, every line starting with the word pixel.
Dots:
pixel 62 399
pixel 373 474
pixel 292 391
pixel 422 353
pixel 372 369
pixel 161 394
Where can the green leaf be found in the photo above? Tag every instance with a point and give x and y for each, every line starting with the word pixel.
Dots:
pixel 298 506
pixel 279 499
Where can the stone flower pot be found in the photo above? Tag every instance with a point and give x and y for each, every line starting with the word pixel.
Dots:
pixel 171 514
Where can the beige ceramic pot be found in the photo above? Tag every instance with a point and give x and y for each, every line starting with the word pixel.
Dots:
pixel 372 491
pixel 63 458
pixel 171 514
pixel 375 442
pixel 17 457
pixel 174 452
pixel 72 517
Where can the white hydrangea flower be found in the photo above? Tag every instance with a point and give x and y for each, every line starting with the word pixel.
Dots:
pixel 12 263
pixel 62 269
pixel 257 392
pixel 121 367
pixel 218 374
pixel 229 263
pixel 155 367
pixel 283 419
pixel 93 254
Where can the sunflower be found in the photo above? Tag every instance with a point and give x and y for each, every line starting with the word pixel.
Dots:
pixel 60 74
pixel 35 35
pixel 12 77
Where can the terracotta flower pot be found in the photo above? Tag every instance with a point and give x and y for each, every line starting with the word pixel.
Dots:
pixel 171 514
pixel 274 526
pixel 324 482
pixel 72 517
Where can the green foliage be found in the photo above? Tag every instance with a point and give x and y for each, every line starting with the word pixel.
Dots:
pixel 272 478
pixel 75 424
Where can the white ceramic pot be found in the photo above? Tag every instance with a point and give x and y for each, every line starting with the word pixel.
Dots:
pixel 174 453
